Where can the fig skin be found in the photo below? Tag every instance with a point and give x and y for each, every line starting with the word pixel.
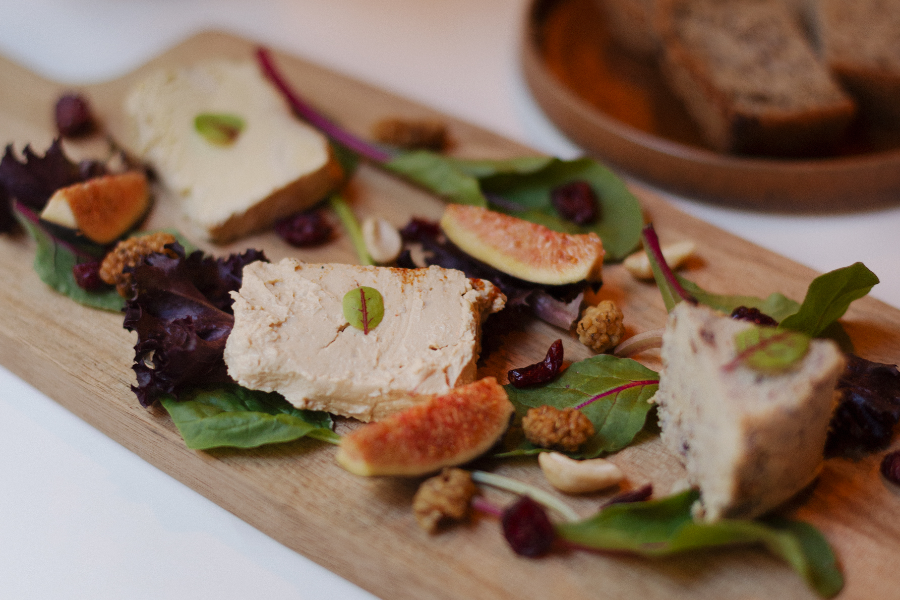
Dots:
pixel 523 249
pixel 445 430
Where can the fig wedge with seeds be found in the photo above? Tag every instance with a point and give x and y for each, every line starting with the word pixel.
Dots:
pixel 523 249
pixel 102 208
pixel 445 430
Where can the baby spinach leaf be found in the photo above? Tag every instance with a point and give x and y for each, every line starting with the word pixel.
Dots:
pixel 776 305
pixel 220 129
pixel 665 527
pixel 53 263
pixel 363 308
pixel 234 416
pixel 828 298
pixel 438 174
pixel 522 187
pixel 769 350
pixel 614 393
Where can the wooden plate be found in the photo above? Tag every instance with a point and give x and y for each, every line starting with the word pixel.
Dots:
pixel 363 528
pixel 618 108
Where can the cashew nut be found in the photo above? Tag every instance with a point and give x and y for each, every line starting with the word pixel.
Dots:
pixel 578 476
pixel 638 264
pixel 382 240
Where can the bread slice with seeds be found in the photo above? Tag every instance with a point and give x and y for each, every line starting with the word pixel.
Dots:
pixel 860 43
pixel 750 78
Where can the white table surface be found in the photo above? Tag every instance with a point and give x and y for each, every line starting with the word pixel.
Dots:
pixel 83 518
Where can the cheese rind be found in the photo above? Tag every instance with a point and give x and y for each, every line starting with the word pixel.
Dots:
pixel 749 441
pixel 276 166
pixel 290 335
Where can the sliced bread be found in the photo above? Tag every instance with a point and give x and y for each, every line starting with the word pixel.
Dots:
pixel 631 24
pixel 750 78
pixel 860 42
pixel 250 176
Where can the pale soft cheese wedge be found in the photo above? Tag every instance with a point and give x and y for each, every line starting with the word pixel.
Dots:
pixel 275 166
pixel 290 335
pixel 749 441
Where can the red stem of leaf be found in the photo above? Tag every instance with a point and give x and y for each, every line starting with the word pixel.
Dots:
pixel 651 241
pixel 365 311
pixel 483 505
pixel 314 117
pixel 616 390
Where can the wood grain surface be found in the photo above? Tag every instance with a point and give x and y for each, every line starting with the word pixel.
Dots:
pixel 361 528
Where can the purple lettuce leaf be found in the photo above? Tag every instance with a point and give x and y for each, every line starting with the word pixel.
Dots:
pixel 181 311
pixel 34 180
pixel 869 409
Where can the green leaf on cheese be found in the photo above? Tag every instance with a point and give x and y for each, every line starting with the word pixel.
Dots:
pixel 363 308
pixel 769 350
pixel 220 129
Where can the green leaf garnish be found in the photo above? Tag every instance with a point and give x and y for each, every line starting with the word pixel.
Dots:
pixel 776 305
pixel 363 308
pixel 521 187
pixel 221 129
pixel 234 416
pixel 614 393
pixel 769 350
pixel 665 527
pixel 828 298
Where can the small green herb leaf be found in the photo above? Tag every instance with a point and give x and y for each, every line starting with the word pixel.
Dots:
pixel 769 350
pixel 665 527
pixel 363 308
pixel 236 417
pixel 221 129
pixel 614 393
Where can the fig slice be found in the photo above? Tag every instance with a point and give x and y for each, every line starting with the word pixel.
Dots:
pixel 102 208
pixel 523 249
pixel 445 430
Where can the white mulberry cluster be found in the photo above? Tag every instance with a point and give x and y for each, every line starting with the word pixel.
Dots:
pixel 602 326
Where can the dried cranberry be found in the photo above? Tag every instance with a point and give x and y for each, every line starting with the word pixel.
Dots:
pixel 527 528
pixel 73 116
pixel 418 230
pixel 575 201
pixel 87 275
pixel 637 495
pixel 890 467
pixel 754 315
pixel 541 372
pixel 304 229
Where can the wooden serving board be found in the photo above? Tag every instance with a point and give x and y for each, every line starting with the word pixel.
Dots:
pixel 361 528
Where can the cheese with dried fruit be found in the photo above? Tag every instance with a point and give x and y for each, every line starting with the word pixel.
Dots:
pixel 290 335
pixel 273 166
pixel 749 441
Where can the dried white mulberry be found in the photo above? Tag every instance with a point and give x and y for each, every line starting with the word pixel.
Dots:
pixel 444 496
pixel 601 327
pixel 128 253
pixel 561 429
